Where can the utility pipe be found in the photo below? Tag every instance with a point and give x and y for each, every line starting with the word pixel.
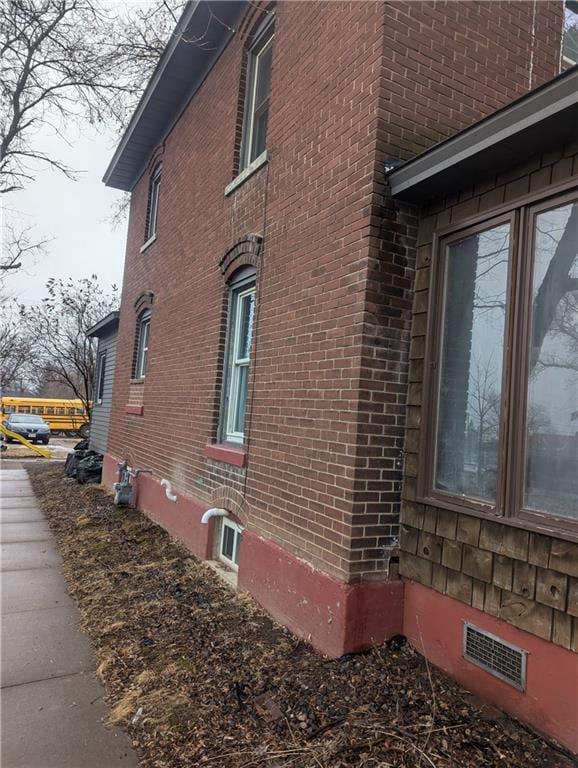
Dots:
pixel 166 484
pixel 213 512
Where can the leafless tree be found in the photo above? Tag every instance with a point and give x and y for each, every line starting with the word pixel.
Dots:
pixel 16 346
pixel 61 351
pixel 484 408
pixel 18 246
pixel 63 61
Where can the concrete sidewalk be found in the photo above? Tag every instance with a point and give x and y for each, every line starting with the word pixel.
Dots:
pixel 51 703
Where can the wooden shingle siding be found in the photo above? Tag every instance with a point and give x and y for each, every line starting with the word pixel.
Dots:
pixel 101 411
pixel 527 578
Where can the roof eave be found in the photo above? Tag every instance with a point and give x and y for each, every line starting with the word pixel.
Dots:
pixel 412 180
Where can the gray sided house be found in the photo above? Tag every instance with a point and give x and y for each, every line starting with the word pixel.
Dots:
pixel 106 332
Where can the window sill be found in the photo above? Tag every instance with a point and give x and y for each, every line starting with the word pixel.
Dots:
pixel 227 575
pixel 228 454
pixel 567 530
pixel 147 245
pixel 257 163
pixel 134 410
pixel 137 381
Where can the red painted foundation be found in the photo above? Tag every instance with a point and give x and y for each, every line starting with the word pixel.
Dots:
pixel 340 618
pixel 335 617
pixel 182 519
pixel 433 624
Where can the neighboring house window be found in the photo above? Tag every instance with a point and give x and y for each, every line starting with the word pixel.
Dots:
pixel 504 359
pixel 257 96
pixel 230 543
pixel 153 203
pixel 241 316
pixel 101 374
pixel 570 35
pixel 142 350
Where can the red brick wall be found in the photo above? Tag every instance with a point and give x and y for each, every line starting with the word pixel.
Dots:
pixel 352 84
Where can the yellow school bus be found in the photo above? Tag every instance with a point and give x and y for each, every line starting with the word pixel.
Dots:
pixel 65 416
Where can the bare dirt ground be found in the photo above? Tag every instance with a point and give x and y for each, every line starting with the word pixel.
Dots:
pixel 201 676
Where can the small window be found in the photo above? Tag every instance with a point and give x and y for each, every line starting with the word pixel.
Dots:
pixel 144 327
pixel 9 409
pixel 257 98
pixel 230 543
pixel 23 409
pixel 100 377
pixel 153 203
pixel 242 311
pixel 570 35
pixel 37 409
pixel 50 411
pixel 60 411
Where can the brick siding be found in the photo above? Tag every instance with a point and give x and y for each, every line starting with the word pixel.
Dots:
pixel 352 84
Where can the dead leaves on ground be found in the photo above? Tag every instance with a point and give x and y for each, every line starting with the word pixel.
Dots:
pixel 200 676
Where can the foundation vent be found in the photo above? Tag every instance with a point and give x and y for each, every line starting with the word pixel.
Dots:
pixel 495 656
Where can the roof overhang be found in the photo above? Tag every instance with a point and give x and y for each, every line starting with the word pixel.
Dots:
pixel 542 119
pixel 104 327
pixel 197 42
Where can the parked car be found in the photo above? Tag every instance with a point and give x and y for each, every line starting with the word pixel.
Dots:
pixel 30 426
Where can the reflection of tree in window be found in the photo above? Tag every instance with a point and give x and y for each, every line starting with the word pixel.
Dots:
pixel 471 363
pixel 551 482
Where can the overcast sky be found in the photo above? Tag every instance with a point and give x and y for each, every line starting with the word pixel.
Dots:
pixel 73 214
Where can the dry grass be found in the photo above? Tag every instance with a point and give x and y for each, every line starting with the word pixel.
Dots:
pixel 201 676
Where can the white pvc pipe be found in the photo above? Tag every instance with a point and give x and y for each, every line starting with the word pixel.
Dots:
pixel 213 512
pixel 166 484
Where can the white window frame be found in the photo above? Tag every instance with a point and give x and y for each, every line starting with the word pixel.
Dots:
pixel 238 293
pixel 571 6
pixel 100 376
pixel 237 537
pixel 144 331
pixel 153 203
pixel 261 46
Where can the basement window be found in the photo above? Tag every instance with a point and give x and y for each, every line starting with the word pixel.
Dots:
pixel 229 543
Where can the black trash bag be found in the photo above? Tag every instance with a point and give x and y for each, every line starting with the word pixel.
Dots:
pixel 89 469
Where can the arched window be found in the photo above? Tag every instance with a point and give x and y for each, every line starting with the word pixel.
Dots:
pixel 240 334
pixel 142 344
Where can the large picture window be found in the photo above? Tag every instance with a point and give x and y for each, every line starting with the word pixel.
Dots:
pixel 241 317
pixel 502 402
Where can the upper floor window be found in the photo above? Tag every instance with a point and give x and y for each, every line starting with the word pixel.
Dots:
pixel 570 36
pixel 257 96
pixel 142 349
pixel 153 203
pixel 504 359
pixel 241 317
pixel 100 377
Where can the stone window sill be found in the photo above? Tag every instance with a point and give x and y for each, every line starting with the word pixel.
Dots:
pixel 134 410
pixel 137 381
pixel 228 454
pixel 257 163
pixel 147 245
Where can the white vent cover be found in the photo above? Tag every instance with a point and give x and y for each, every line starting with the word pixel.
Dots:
pixel 497 657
